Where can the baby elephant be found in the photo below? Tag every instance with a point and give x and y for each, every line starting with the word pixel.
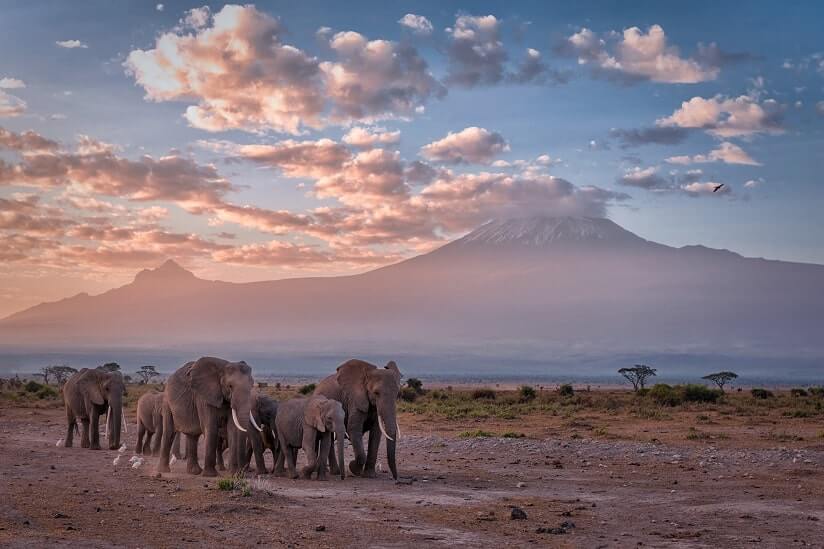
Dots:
pixel 150 426
pixel 309 423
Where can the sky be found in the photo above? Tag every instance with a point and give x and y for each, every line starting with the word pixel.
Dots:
pixel 282 139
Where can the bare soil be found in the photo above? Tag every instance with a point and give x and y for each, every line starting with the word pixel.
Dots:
pixel 633 483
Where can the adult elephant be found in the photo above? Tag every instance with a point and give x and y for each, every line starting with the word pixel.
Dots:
pixel 369 395
pixel 194 399
pixel 87 395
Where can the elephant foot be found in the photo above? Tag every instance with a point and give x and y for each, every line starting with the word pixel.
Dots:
pixel 293 475
pixel 221 467
pixel 322 476
pixel 84 444
pixel 194 469
pixel 209 472
pixel 355 467
pixel 161 468
pixel 334 470
pixel 279 472
pixel 369 472
pixel 306 472
pixel 94 447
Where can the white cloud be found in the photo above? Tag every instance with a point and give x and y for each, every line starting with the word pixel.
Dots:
pixel 476 53
pixel 470 145
pixel 71 44
pixel 726 152
pixel 11 105
pixel 369 137
pixel 635 55
pixel 416 23
pixel 728 117
pixel 7 83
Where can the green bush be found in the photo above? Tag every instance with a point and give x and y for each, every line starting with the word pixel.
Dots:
pixel 798 392
pixel 816 391
pixel 415 384
pixel 700 393
pixel 32 386
pixel 566 390
pixel 307 389
pixel 483 393
pixel 761 393
pixel 665 395
pixel 409 394
pixel 527 393
pixel 478 433
pixel 46 392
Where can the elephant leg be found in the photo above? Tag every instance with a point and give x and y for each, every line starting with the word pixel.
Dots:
pixel 333 461
pixel 232 440
pixel 280 457
pixel 157 437
pixel 256 448
pixel 211 436
pixel 372 455
pixel 356 438
pixel 191 455
pixel 84 433
pixel 291 458
pixel 178 453
pixel 325 449
pixel 95 430
pixel 310 436
pixel 166 441
pixel 141 432
pixel 72 421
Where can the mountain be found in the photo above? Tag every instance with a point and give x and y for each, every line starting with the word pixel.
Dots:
pixel 543 286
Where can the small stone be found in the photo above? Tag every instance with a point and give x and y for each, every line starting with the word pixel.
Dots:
pixel 320 528
pixel 521 485
pixel 517 514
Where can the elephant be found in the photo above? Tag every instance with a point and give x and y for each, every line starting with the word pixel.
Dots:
pixel 264 410
pixel 196 398
pixel 87 394
pixel 309 423
pixel 150 426
pixel 369 395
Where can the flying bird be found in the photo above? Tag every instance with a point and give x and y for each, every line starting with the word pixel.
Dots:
pixel 717 187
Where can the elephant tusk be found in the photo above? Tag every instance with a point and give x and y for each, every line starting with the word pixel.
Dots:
pixel 397 430
pixel 125 423
pixel 380 424
pixel 237 423
pixel 251 417
pixel 108 417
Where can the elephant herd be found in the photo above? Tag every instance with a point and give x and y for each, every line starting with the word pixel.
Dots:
pixel 215 398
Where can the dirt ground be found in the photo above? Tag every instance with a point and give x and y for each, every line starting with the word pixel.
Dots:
pixel 628 485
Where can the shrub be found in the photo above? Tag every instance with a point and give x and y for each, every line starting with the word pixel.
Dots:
pixel 483 393
pixel 438 395
pixel 761 393
pixel 513 434
pixel 527 393
pixel 798 392
pixel 46 392
pixel 665 395
pixel 700 393
pixel 566 390
pixel 409 394
pixel 415 384
pixel 307 389
pixel 478 433
pixel 32 386
pixel 816 391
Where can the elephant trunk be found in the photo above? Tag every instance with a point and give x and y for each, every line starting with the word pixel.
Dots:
pixel 114 421
pixel 241 412
pixel 339 436
pixel 388 423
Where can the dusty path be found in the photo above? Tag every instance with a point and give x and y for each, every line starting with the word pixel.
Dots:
pixel 617 494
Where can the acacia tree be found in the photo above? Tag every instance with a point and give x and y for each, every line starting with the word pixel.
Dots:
pixel 721 378
pixel 637 375
pixel 59 373
pixel 110 367
pixel 146 374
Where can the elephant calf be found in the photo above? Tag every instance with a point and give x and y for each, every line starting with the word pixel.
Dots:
pixel 256 442
pixel 150 426
pixel 309 423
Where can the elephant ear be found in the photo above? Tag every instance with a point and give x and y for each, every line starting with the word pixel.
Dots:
pixel 352 377
pixel 313 413
pixel 392 367
pixel 89 385
pixel 205 378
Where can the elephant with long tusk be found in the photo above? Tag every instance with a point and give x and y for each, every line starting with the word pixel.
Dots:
pixel 195 398
pixel 369 395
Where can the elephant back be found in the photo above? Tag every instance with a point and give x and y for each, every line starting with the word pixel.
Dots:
pixel 289 420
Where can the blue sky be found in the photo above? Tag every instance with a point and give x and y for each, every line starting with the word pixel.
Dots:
pixel 769 58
